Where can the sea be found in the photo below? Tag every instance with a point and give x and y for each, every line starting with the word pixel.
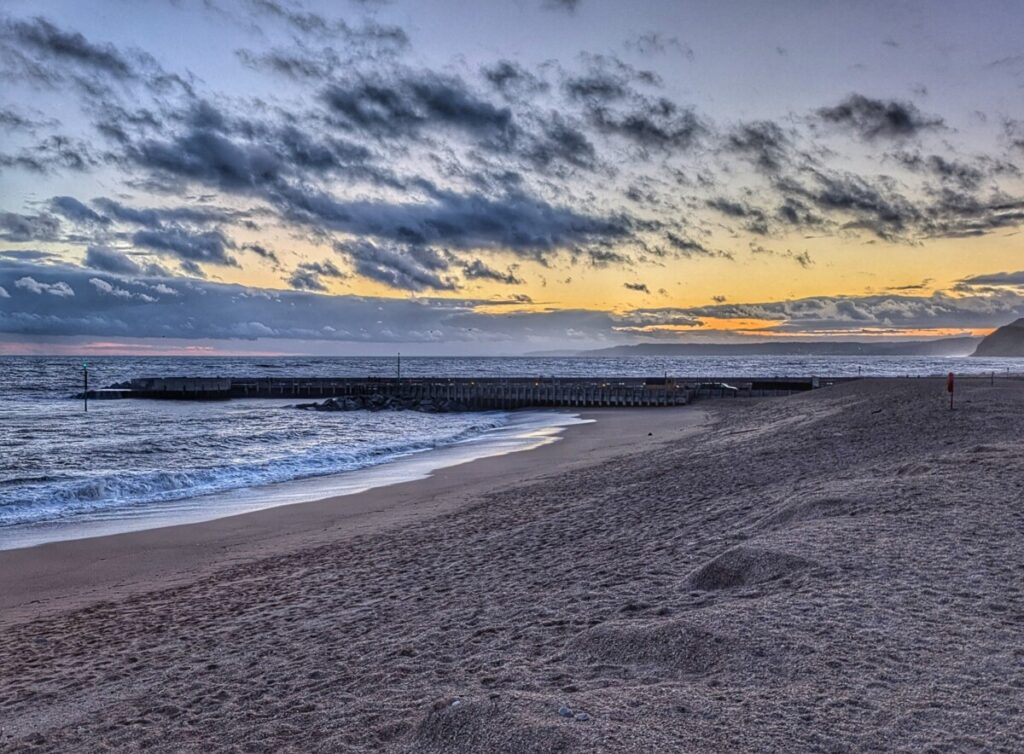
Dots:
pixel 132 464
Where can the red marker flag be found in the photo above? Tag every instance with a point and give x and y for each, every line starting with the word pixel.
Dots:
pixel 950 383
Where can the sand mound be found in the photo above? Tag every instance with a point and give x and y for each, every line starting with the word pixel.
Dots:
pixel 808 510
pixel 678 645
pixel 482 726
pixel 744 565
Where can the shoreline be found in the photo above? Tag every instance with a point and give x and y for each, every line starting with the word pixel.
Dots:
pixel 73 573
pixel 521 430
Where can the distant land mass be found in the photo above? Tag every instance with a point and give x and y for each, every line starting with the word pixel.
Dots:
pixel 1008 340
pixel 961 346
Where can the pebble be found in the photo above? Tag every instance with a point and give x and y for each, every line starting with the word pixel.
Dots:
pixel 457 702
pixel 582 716
pixel 565 712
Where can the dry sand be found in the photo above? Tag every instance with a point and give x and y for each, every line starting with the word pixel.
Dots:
pixel 836 571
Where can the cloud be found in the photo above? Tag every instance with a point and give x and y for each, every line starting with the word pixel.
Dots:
pixel 39 51
pixel 964 175
pixel 59 288
pixel 70 47
pixel 638 287
pixel 872 119
pixel 209 247
pixel 687 247
pixel 156 217
pixel 1013 279
pixel 408 102
pixel 307 276
pixel 370 37
pixel 11 119
pixel 18 228
pixel 514 221
pixel 569 6
pixel 477 269
pixel 263 252
pixel 756 220
pixel 409 268
pixel 54 152
pixel 512 80
pixel 74 210
pixel 109 289
pixel 4 293
pixel 109 260
pixel 763 142
pixel 802 258
pixel 655 43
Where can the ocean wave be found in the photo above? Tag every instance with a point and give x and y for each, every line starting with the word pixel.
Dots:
pixel 31 502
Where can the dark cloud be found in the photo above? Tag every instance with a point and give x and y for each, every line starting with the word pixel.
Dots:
pixel 514 221
pixel 598 86
pixel 409 268
pixel 512 80
pixel 963 174
pixel 607 257
pixel 247 154
pixel 802 258
pixel 794 212
pixel 307 276
pixel 569 6
pixel 19 228
pixel 263 252
pixel 873 118
pixel 52 153
pixel 301 64
pixel 876 206
pixel 477 269
pixel 39 51
pixel 755 219
pixel 657 124
pixel 409 102
pixel 109 260
pixel 654 43
pixel 637 287
pixel 70 47
pixel 763 142
pixel 371 36
pixel 687 247
pixel 13 119
pixel 560 141
pixel 208 247
pixel 72 209
pixel 156 217
pixel 1012 279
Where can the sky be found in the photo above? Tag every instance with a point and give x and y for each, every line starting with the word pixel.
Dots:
pixel 440 177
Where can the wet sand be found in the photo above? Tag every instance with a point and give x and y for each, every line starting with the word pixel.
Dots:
pixel 836 571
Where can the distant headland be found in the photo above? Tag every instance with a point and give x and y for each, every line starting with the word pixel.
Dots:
pixel 1008 340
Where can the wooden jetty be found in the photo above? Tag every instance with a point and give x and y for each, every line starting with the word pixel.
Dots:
pixel 483 393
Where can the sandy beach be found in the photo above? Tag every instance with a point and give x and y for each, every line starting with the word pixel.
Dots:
pixel 836 571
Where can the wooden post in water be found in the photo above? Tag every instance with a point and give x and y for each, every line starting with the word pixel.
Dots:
pixel 85 384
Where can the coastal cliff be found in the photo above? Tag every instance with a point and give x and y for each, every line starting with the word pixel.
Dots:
pixel 1008 340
